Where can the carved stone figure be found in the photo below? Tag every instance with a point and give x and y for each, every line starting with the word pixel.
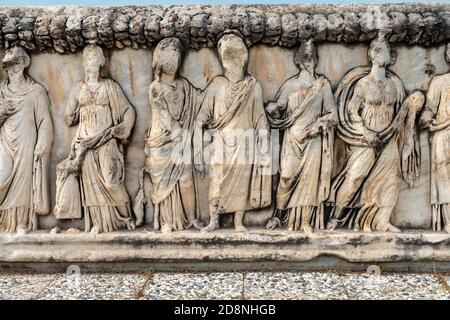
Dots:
pixel 436 117
pixel 305 110
pixel 105 119
pixel 240 168
pixel 26 135
pixel 174 104
pixel 376 123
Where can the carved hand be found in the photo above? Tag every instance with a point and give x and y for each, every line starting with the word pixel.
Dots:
pixel 147 149
pixel 372 138
pixel 39 150
pixel 200 169
pixel 425 120
pixel 117 131
pixel 316 128
pixel 272 109
pixel 323 125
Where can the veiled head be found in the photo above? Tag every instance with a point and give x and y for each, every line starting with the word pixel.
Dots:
pixel 380 51
pixel 16 59
pixel 167 56
pixel 233 52
pixel 306 56
pixel 93 58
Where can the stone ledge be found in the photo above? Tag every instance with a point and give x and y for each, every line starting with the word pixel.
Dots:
pixel 69 29
pixel 257 245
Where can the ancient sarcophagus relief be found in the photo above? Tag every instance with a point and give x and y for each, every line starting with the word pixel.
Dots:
pixel 189 133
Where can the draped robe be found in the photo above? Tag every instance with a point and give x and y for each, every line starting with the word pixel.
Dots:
pixel 24 189
pixel 104 197
pixel 438 106
pixel 306 161
pixel 369 182
pixel 240 168
pixel 169 155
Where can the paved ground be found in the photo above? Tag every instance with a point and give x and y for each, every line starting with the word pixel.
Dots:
pixel 258 285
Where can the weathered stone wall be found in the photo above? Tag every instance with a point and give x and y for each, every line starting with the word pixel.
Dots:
pixel 68 29
pixel 55 37
pixel 270 65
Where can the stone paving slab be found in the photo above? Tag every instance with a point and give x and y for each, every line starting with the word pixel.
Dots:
pixel 93 287
pixel 289 285
pixel 23 286
pixel 232 285
pixel 195 286
pixel 395 286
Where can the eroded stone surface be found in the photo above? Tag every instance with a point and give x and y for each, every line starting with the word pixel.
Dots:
pixel 225 245
pixel 68 29
pixel 229 115
pixel 251 285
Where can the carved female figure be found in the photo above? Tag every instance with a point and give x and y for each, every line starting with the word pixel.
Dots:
pixel 26 135
pixel 436 117
pixel 105 119
pixel 174 104
pixel 240 168
pixel 377 124
pixel 308 117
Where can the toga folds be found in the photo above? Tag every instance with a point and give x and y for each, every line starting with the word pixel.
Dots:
pixel 99 153
pixel 240 153
pixel 369 182
pixel 438 107
pixel 169 154
pixel 306 161
pixel 24 189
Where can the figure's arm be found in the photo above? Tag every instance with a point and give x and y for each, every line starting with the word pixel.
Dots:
pixel 357 123
pixel 152 114
pixel 72 112
pixel 127 124
pixel 281 99
pixel 7 109
pixel 262 129
pixel 329 117
pixel 432 103
pixel 44 125
pixel 42 149
pixel 122 130
pixel 202 118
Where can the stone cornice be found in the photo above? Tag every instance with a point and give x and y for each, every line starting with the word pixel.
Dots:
pixel 69 29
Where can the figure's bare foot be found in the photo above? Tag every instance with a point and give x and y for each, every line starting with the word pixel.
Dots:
pixel 131 225
pixel 21 230
pixel 210 227
pixel 95 230
pixel 197 224
pixel 239 221
pixel 306 228
pixel 273 223
pixel 392 228
pixel 73 230
pixel 332 224
pixel 139 221
pixel 166 229
pixel 55 230
pixel 447 228
pixel 240 228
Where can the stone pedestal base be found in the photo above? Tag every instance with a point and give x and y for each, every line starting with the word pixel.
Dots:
pixel 258 249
